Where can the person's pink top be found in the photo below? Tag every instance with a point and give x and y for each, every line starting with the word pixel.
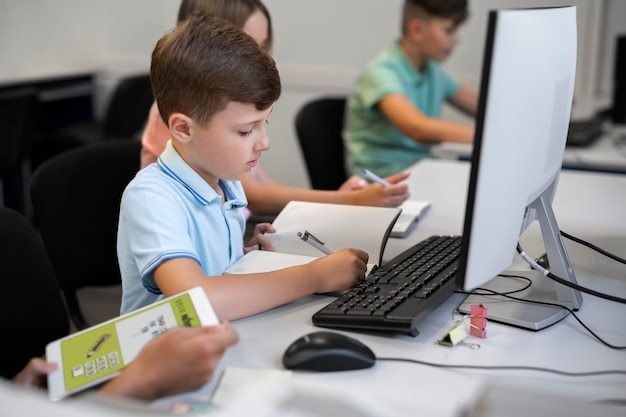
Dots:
pixel 155 136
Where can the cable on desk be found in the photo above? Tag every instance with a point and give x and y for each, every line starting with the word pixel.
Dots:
pixel 477 291
pixel 506 295
pixel 506 368
pixel 560 280
pixel 608 401
pixel 593 247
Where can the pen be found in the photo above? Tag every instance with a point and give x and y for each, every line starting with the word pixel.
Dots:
pixel 97 345
pixel 315 242
pixel 369 174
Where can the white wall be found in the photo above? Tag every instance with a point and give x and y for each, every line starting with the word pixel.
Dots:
pixel 320 47
pixel 47 38
pixel 43 39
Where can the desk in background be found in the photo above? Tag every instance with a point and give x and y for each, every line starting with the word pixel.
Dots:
pixel 62 101
pixel 607 154
pixel 65 99
pixel 72 97
pixel 587 205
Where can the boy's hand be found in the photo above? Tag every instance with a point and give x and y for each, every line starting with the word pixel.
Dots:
pixel 397 178
pixel 392 195
pixel 339 270
pixel 259 241
pixel 353 183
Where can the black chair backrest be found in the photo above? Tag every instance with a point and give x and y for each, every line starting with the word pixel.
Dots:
pixel 20 111
pixel 76 197
pixel 319 125
pixel 32 306
pixel 19 114
pixel 128 109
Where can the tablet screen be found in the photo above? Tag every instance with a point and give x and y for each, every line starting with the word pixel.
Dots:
pixel 98 353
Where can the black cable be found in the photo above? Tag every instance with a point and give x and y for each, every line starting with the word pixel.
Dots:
pixel 604 342
pixel 553 277
pixel 505 367
pixel 585 289
pixel 593 247
pixel 477 291
pixel 544 271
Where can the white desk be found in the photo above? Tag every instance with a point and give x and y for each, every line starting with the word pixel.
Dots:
pixel 607 154
pixel 588 205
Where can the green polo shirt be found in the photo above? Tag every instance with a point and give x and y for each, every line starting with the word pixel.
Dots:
pixel 372 141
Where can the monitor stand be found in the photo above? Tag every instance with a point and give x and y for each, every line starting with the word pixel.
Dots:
pixel 530 315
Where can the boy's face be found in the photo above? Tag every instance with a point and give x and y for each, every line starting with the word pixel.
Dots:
pixel 439 37
pixel 230 145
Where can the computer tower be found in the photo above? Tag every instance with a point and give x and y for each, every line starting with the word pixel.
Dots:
pixel 618 113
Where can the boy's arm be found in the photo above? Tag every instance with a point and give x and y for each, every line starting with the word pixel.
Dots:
pixel 421 128
pixel 266 198
pixel 465 100
pixel 237 296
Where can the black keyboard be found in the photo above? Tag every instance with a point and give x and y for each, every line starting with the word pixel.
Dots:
pixel 398 295
pixel 583 133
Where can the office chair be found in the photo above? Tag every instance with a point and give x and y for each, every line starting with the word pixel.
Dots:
pixel 76 198
pixel 19 115
pixel 319 125
pixel 128 109
pixel 32 307
pixel 124 118
pixel 125 115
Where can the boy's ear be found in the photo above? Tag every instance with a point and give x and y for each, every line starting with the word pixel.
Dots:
pixel 180 127
pixel 416 28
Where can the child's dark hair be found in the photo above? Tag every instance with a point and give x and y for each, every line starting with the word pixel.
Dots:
pixel 207 62
pixel 457 10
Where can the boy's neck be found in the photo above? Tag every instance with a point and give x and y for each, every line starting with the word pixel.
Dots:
pixel 413 53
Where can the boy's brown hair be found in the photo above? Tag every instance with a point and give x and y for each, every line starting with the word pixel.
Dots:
pixel 457 10
pixel 207 62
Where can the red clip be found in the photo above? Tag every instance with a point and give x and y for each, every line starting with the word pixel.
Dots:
pixel 478 321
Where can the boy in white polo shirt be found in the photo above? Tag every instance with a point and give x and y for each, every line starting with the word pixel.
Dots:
pixel 182 220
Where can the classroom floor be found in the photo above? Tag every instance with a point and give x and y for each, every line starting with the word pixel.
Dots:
pixel 100 303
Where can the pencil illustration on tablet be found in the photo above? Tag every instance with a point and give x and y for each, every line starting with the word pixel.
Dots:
pixel 98 345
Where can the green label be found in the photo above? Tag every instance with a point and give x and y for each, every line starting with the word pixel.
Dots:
pixel 104 350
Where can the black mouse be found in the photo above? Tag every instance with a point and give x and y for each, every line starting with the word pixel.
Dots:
pixel 326 352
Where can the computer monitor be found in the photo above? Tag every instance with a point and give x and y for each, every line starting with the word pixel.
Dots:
pixel 618 111
pixel 524 109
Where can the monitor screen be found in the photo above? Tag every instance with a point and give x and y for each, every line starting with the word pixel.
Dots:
pixel 525 101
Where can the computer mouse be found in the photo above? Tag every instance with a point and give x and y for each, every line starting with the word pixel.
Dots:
pixel 327 352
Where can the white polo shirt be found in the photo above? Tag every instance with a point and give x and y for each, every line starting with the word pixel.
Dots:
pixel 168 211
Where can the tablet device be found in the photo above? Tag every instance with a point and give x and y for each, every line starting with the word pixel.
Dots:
pixel 94 355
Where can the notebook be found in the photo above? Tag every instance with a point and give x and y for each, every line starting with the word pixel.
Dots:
pixel 336 225
pixel 412 211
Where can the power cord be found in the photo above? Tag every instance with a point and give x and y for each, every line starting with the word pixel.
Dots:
pixel 505 368
pixel 609 401
pixel 593 247
pixel 560 280
pixel 544 271
pixel 487 292
pixel 542 260
pixel 535 265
